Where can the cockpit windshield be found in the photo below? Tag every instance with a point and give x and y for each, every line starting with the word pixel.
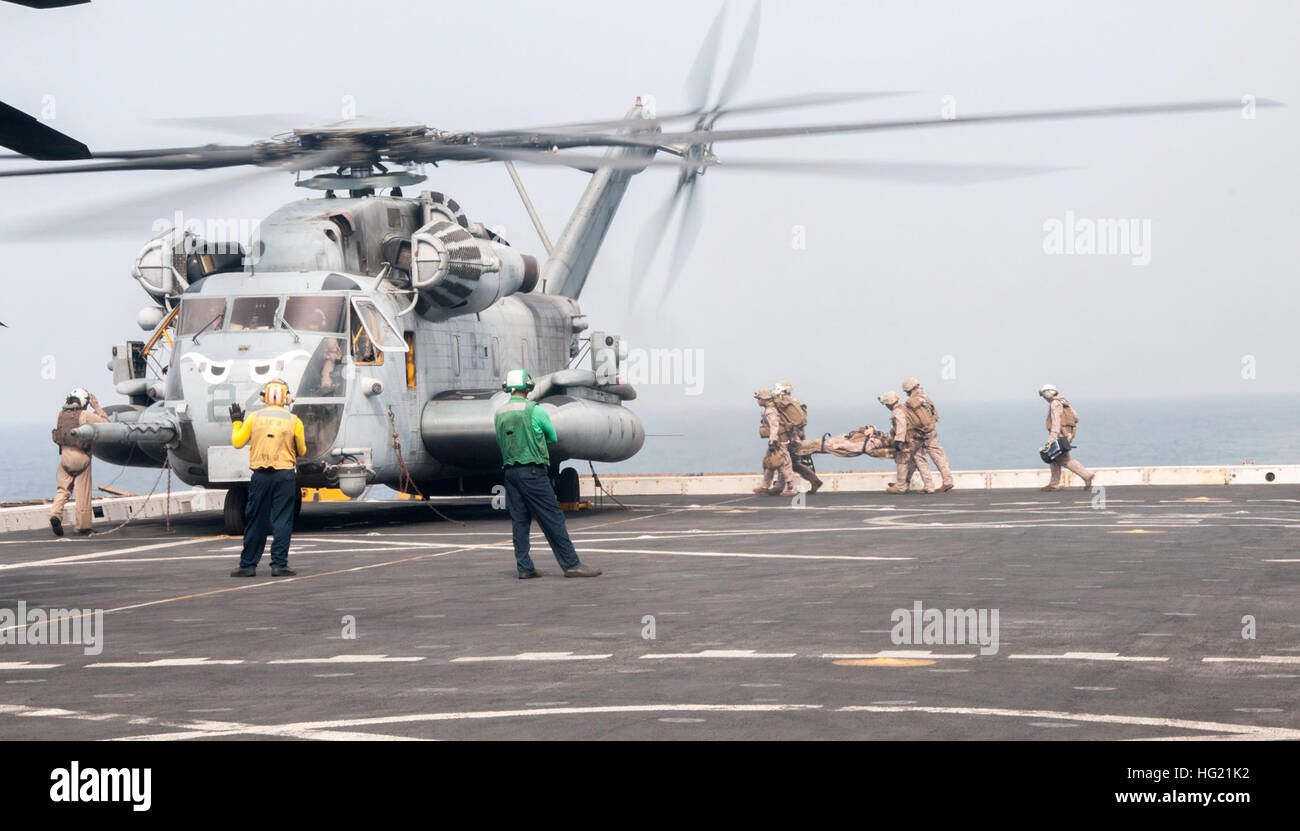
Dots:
pixel 199 314
pixel 253 313
pixel 315 314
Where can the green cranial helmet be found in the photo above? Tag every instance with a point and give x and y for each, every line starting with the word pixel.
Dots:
pixel 518 380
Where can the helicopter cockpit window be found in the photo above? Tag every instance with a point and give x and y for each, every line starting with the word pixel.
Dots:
pixel 251 314
pixel 381 332
pixel 202 314
pixel 315 314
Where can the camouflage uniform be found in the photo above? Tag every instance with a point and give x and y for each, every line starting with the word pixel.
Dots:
pixel 780 476
pixel 929 442
pixel 797 437
pixel 1065 460
pixel 906 448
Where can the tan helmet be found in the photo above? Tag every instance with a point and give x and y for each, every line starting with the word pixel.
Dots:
pixel 764 395
pixel 910 384
pixel 783 388
pixel 889 399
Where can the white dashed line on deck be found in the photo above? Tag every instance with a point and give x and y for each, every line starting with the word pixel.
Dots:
pixel 529 656
pixel 1090 656
pixel 167 662
pixel 718 653
pixel 1262 659
pixel 350 659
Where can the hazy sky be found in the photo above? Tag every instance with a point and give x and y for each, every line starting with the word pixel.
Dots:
pixel 895 280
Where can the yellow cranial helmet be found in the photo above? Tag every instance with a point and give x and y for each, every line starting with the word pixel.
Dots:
pixel 276 393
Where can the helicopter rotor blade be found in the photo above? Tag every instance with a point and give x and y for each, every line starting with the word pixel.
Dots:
pixel 647 245
pixel 197 160
pixel 253 125
pixel 35 139
pixel 708 136
pixel 136 214
pixel 788 102
pixel 688 231
pixel 699 80
pixel 743 62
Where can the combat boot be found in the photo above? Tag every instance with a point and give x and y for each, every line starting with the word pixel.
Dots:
pixel 1051 487
pixel 894 489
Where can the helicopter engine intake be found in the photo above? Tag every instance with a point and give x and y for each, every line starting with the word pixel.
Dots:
pixel 457 273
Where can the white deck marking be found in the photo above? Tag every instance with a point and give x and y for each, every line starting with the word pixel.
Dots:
pixel 1282 561
pixel 167 662
pixel 1089 656
pixel 1263 659
pixel 718 653
pixel 893 653
pixel 26 665
pixel 1097 718
pixel 315 727
pixel 350 659
pixel 736 554
pixel 76 558
pixel 530 656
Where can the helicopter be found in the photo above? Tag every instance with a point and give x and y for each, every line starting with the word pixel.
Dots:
pixel 394 317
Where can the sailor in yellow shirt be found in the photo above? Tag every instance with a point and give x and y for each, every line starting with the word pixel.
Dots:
pixel 275 441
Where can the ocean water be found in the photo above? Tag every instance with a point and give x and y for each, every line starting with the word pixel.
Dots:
pixel 976 436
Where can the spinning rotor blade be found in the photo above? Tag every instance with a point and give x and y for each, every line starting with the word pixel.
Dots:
pixel 197 160
pixel 647 245
pixel 789 102
pixel 708 136
pixel 253 125
pixel 688 231
pixel 202 158
pixel 742 63
pixel 699 81
pixel 135 215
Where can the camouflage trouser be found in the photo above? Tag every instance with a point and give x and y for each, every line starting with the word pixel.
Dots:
pixel 1068 462
pixel 909 461
pixel 783 473
pixel 930 447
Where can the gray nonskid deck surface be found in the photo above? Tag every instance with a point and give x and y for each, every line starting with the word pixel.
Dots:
pixel 1123 621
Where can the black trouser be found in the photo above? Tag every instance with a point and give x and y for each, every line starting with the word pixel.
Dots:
pixel 271 493
pixel 529 496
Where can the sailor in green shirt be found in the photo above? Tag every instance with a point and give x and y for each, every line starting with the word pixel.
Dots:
pixel 523 432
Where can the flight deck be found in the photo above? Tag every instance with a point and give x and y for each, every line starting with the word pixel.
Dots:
pixel 1157 613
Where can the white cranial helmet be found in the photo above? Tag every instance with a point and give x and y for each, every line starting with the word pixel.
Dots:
pixel 1047 391
pixel 81 396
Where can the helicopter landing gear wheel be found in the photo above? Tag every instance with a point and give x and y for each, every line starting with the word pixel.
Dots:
pixel 233 513
pixel 566 486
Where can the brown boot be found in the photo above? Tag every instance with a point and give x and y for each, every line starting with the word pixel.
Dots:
pixel 894 489
pixel 945 488
pixel 1087 483
pixel 1051 487
pixel 760 490
pixel 816 486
